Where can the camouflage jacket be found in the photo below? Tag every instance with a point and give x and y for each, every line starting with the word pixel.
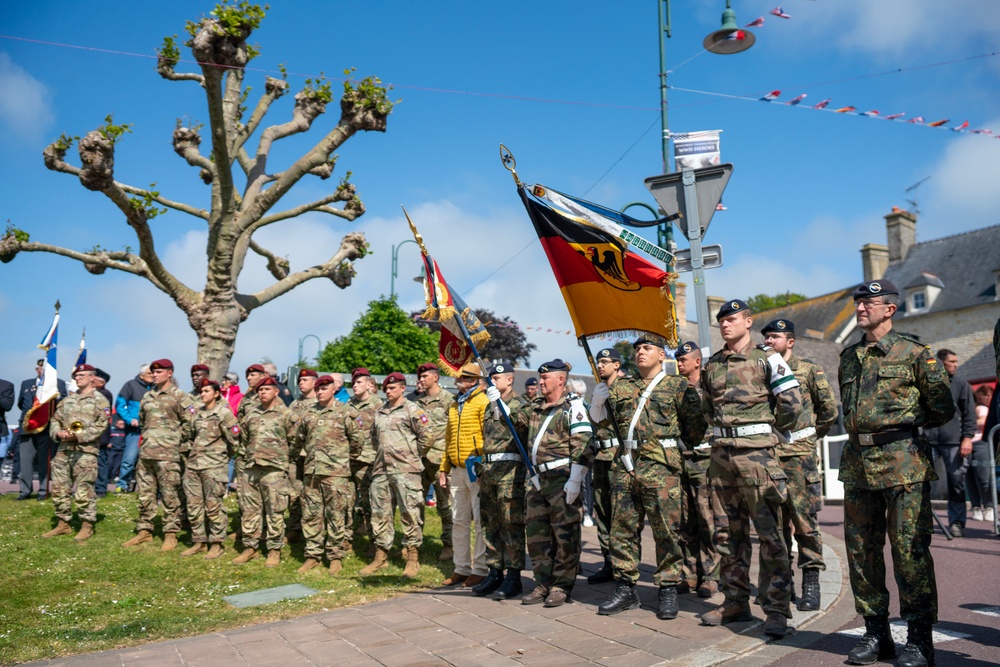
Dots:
pixel 359 429
pixel 496 436
pixel 568 435
pixel 92 411
pixel 737 393
pixel 249 404
pixel 672 412
pixel 703 448
pixel 604 434
pixel 300 406
pixel 819 408
pixel 165 417
pixel 269 435
pixel 323 434
pixel 214 436
pixel 401 436
pixel 892 385
pixel 436 409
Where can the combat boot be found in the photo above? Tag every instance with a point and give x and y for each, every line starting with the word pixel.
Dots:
pixel 86 531
pixel 381 561
pixel 273 558
pixel 668 603
pixel 62 528
pixel 489 584
pixel 309 564
pixel 196 548
pixel 876 644
pixel 140 537
pixel 510 587
pixel 604 575
pixel 919 651
pixel 214 551
pixel 624 598
pixel 245 556
pixel 169 542
pixel 729 611
pixel 447 553
pixel 776 624
pixel 810 590
pixel 335 567
pixel 412 562
pixel 536 596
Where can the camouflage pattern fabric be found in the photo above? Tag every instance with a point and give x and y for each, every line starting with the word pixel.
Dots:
pixel 264 501
pixel 805 499
pixel 819 407
pixel 436 409
pixel 701 559
pixel 405 491
pixel 205 488
pixel 501 493
pixel 270 435
pixel 214 435
pixel 325 501
pixel 604 436
pixel 359 436
pixel 296 473
pixel 326 462
pixel 92 410
pixel 165 417
pixel 158 478
pixel 74 466
pixel 428 478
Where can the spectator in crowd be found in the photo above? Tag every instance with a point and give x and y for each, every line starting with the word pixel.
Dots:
pixel 6 403
pixel 127 407
pixel 36 449
pixel 231 390
pixel 531 388
pixel 981 465
pixel 339 390
pixel 284 393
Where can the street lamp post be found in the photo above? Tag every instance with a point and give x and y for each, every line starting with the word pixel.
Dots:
pixel 395 265
pixel 319 346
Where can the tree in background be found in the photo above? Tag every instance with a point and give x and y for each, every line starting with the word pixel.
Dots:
pixel 384 339
pixel 762 302
pixel 507 340
pixel 627 353
pixel 218 44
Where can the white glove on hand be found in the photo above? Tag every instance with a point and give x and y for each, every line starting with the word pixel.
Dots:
pixel 601 394
pixel 493 393
pixel 572 487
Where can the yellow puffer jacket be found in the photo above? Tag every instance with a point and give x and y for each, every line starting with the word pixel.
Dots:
pixel 464 433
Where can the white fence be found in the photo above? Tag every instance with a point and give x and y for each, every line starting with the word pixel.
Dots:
pixel 833 489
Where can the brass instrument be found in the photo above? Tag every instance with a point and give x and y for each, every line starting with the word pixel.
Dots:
pixel 76 427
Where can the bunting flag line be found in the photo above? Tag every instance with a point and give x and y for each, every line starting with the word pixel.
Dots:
pixel 756 23
pixel 47 389
pixel 797 100
pixel 823 104
pixel 607 288
pixel 780 13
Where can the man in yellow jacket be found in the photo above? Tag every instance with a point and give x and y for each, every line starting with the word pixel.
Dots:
pixel 463 442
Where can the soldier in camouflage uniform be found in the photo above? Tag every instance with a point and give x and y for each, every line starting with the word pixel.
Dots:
pixel 401 435
pixel 249 404
pixel 657 414
pixel 270 434
pixel 77 425
pixel 502 489
pixel 435 403
pixel 361 410
pixel 609 362
pixel 214 435
pixel 890 386
pixel 698 541
pixel 800 461
pixel 165 416
pixel 300 406
pixel 560 434
pixel 746 390
pixel 327 487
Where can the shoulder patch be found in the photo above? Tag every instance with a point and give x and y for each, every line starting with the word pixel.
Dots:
pixel 192 409
pixel 361 422
pixel 423 417
pixel 931 361
pixel 235 429
pixel 107 412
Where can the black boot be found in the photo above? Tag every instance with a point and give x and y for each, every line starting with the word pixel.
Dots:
pixel 602 576
pixel 876 644
pixel 624 598
pixel 810 590
pixel 489 584
pixel 668 603
pixel 511 586
pixel 919 651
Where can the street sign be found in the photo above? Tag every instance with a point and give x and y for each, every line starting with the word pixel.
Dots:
pixel 668 190
pixel 711 256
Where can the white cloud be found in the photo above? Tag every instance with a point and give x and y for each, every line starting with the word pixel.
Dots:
pixel 25 102
pixel 963 185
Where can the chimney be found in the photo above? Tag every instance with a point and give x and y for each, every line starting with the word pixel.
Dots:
pixel 901 230
pixel 714 306
pixel 874 259
pixel 680 302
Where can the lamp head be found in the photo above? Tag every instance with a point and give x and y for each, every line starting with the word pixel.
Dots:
pixel 730 38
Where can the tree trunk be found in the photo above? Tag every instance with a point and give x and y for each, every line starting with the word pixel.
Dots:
pixel 216 326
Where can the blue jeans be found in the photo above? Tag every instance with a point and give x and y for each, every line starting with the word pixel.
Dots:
pixel 129 458
pixel 108 462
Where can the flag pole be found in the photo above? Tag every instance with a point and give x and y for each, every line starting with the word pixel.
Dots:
pixel 624 453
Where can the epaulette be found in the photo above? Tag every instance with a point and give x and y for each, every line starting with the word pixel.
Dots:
pixel 764 348
pixel 914 340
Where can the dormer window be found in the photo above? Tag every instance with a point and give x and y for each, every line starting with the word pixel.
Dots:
pixel 919 300
pixel 921 292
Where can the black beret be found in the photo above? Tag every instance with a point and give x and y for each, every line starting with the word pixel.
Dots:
pixel 687 348
pixel 781 326
pixel 647 338
pixel 875 288
pixel 731 307
pixel 501 367
pixel 609 353
pixel 554 365
pixel 103 375
pixel 531 382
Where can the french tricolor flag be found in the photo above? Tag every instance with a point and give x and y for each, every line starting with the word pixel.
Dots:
pixel 40 411
pixel 771 96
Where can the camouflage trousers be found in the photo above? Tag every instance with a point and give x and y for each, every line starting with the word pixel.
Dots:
pixel 325 500
pixel 359 509
pixel 163 479
pixel 805 500
pixel 751 478
pixel 501 507
pixel 405 490
pixel 552 533
pixel 205 490
pixel 295 509
pixel 263 501
pixel 904 513
pixel 701 559
pixel 602 485
pixel 68 467
pixel 653 492
pixel 443 499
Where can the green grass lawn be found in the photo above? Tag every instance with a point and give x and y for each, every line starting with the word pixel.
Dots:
pixel 60 598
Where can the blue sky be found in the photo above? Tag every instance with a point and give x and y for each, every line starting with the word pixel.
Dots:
pixel 570 87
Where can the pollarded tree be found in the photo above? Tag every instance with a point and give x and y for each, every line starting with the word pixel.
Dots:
pixel 218 44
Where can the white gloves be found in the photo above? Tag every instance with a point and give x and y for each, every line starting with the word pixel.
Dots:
pixel 598 409
pixel 572 487
pixel 493 393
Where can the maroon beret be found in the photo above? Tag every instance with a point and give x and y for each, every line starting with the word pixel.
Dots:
pixel 206 382
pixel 255 367
pixel 308 373
pixel 199 367
pixel 360 372
pixel 268 381
pixel 164 364
pixel 84 367
pixel 429 366
pixel 324 380
pixel 392 378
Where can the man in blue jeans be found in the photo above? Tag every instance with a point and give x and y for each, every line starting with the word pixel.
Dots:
pixel 127 407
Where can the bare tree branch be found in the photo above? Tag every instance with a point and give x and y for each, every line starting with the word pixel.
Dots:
pixel 273 89
pixel 278 266
pixel 165 66
pixel 346 193
pixel 177 206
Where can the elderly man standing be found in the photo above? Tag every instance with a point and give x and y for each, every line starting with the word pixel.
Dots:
pixel 464 440
pixel 127 408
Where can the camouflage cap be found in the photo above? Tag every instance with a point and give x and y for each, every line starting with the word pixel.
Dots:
pixel 875 288
pixel 780 326
pixel 731 308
